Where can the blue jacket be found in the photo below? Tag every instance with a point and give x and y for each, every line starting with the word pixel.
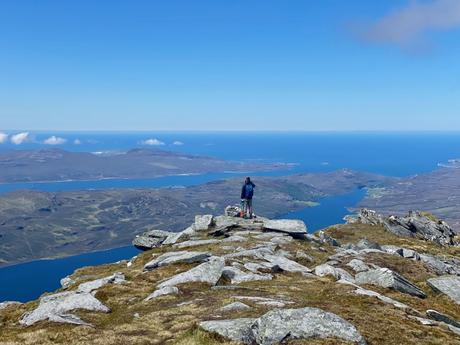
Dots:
pixel 248 190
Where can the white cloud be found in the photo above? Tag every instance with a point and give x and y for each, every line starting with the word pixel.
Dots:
pixel 3 137
pixel 178 143
pixel 53 140
pixel 152 142
pixel 406 25
pixel 19 138
pixel 77 142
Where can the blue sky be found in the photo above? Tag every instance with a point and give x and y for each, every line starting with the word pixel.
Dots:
pixel 229 65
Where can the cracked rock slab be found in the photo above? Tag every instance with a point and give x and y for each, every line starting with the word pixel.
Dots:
pixel 207 272
pixel 237 276
pixel 116 278
pixel 194 243
pixel 58 307
pixel 448 285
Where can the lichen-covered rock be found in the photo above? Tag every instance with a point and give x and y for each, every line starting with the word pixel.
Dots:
pixel 448 285
pixel 176 257
pixel 358 265
pixel 386 278
pixel 207 272
pixel 57 308
pixel 235 330
pixel 442 265
pixel 305 323
pixel 151 239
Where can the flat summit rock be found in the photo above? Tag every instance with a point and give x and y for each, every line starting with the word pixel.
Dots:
pixel 289 226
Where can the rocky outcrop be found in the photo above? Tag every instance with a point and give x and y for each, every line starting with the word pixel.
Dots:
pixel 338 273
pixel 287 265
pixel 448 285
pixel 237 276
pixel 207 272
pixel 386 278
pixel 415 224
pixel 176 257
pixel 151 239
pixel 6 304
pixel 282 325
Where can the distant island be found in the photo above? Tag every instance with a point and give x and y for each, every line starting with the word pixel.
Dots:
pixel 60 165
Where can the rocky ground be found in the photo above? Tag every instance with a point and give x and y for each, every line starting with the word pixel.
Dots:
pixel 226 280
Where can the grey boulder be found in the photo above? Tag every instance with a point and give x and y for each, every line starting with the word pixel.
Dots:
pixel 448 285
pixel 237 276
pixel 235 306
pixel 287 265
pixel 176 257
pixel 386 278
pixel 194 243
pixel 280 325
pixel 207 272
pixel 337 273
pixel 203 222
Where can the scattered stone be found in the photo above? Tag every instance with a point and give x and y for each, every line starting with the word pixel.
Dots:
pixel 436 315
pixel 386 278
pixel 237 276
pixel 207 272
pixel 203 222
pixel 176 257
pixel 175 237
pixel 116 278
pixel 448 285
pixel 423 321
pixel 235 306
pixel 257 252
pixel 57 308
pixel 366 244
pixel 265 301
pixel 167 290
pixel 358 265
pixel 151 239
pixel 234 238
pixel 390 249
pixel 292 227
pixel 136 315
pixel 194 243
pixel 442 265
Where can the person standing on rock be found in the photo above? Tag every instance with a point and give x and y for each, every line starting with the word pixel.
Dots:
pixel 247 192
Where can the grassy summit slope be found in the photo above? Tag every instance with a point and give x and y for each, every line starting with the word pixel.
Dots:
pixel 174 319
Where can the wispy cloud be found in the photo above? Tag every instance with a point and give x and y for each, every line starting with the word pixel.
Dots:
pixel 53 140
pixel 3 138
pixel 178 143
pixel 152 142
pixel 77 142
pixel 406 26
pixel 19 138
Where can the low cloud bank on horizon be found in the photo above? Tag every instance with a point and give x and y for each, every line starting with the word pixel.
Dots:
pixel 19 138
pixel 406 26
pixel 53 140
pixel 153 142
pixel 3 137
